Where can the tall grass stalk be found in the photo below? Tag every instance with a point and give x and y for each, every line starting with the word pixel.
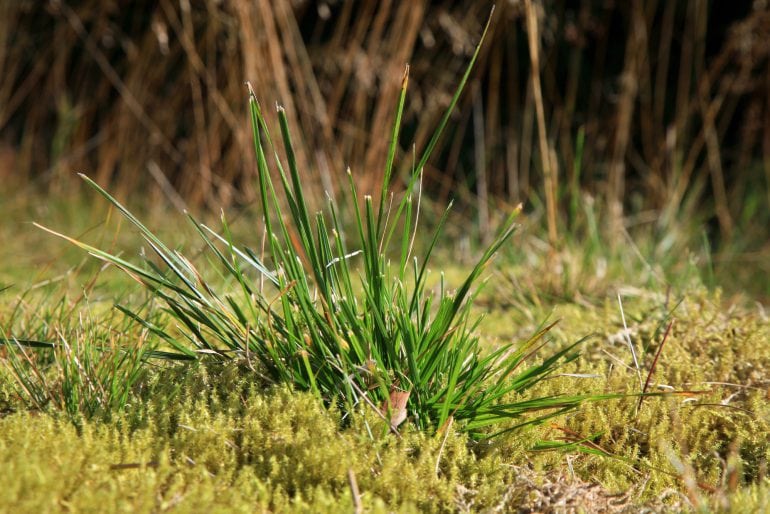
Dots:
pixel 549 169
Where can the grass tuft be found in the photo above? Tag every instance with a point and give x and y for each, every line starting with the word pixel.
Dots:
pixel 330 313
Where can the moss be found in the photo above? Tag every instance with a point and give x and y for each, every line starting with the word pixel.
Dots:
pixel 753 499
pixel 218 438
pixel 252 450
pixel 716 352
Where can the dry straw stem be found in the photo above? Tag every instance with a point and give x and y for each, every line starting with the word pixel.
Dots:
pixel 629 90
pixel 354 492
pixel 549 169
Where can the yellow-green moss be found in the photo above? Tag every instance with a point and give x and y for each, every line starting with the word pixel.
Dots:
pixel 247 451
pixel 215 438
pixel 717 353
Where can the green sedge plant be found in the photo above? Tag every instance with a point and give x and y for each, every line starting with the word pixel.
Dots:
pixel 336 315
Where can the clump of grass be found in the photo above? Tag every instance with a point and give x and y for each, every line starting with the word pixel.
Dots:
pixel 373 336
pixel 74 359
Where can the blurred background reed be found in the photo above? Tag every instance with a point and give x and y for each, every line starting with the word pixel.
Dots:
pixel 658 109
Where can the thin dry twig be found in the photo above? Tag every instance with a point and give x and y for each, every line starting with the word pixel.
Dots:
pixel 354 492
pixel 652 366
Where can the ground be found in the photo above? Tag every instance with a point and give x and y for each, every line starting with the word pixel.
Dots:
pixel 215 437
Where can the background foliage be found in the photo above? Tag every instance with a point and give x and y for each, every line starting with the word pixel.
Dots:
pixel 671 97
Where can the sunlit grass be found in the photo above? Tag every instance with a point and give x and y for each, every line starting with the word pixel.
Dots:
pixel 338 312
pixel 370 336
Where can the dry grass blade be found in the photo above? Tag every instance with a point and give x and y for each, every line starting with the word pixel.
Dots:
pixel 395 407
pixel 549 171
pixel 653 365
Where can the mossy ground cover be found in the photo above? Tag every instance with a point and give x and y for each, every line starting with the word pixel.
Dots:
pixel 215 437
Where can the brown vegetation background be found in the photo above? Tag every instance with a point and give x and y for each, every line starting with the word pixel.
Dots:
pixel 671 98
